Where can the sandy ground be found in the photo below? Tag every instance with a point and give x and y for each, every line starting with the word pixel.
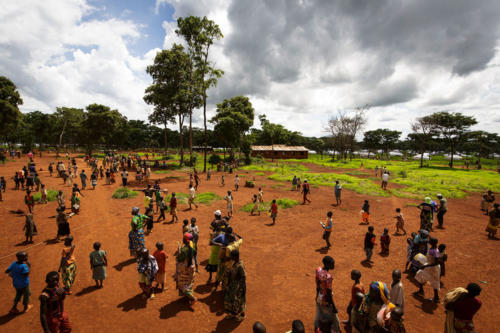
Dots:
pixel 280 260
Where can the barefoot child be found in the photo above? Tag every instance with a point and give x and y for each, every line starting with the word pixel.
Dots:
pixel 29 201
pixel 29 228
pixel 443 258
pixel 400 221
pixel 229 200
pixel 369 243
pixel 255 207
pixel 365 213
pixel 19 271
pixel 161 259
pixel 173 208
pixel 44 195
pixel 385 240
pixel 327 227
pixel 274 210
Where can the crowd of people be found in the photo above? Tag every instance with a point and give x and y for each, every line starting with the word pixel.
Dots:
pixel 378 308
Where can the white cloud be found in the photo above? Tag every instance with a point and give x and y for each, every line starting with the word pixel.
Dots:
pixel 59 59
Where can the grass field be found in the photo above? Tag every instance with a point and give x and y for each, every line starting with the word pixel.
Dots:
pixel 283 203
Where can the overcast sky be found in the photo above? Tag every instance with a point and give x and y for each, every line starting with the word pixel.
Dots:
pixel 299 61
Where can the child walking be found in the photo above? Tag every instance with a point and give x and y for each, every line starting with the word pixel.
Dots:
pixel 29 228
pixel 274 211
pixel 173 208
pixel 369 244
pixel 44 195
pixel 229 200
pixel 365 213
pixel 327 227
pixel 400 221
pixel 255 207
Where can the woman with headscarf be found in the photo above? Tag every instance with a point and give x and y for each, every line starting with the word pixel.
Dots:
pixel 214 260
pixel 67 266
pixel 494 222
pixel 185 268
pixel 430 271
pixel 147 268
pixel 426 214
pixel 136 235
pixel 235 295
pixel 376 300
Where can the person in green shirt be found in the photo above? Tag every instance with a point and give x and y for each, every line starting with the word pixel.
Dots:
pixel 442 209
pixel 136 235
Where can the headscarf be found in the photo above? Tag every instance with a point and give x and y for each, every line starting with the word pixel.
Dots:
pixel 381 289
pixel 428 200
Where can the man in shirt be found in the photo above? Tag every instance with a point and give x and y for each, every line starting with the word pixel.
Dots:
pixel 124 177
pixel 385 179
pixel 442 209
pixel 19 271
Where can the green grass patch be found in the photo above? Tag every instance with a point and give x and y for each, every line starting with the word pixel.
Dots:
pixel 51 196
pixel 160 172
pixel 124 193
pixel 259 174
pixel 182 198
pixel 283 203
pixel 206 198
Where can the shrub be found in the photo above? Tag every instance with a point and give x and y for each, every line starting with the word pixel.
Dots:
pixel 214 159
pixel 191 161
pixel 124 193
pixel 51 196
pixel 249 183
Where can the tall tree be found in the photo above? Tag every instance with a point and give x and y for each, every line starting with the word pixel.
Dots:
pixel 10 99
pixel 422 137
pixel 451 128
pixel 67 120
pixel 172 91
pixel 382 138
pixel 481 143
pixel 233 119
pixel 200 34
pixel 344 128
pixel 100 125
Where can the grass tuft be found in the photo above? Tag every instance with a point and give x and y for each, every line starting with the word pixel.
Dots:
pixel 124 193
pixel 283 203
pixel 51 196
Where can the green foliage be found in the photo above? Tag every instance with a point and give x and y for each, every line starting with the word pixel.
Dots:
pixel 51 196
pixel 214 159
pixel 283 203
pixel 249 184
pixel 182 198
pixel 10 99
pixel 124 193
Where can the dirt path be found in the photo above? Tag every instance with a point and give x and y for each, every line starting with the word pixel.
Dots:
pixel 280 260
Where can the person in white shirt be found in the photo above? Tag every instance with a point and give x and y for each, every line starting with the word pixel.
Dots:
pixel 385 180
pixel 192 192
pixel 236 183
pixel 124 177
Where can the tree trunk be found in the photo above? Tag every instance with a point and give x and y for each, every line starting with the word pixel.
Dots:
pixel 205 141
pixel 451 157
pixel 60 138
pixel 181 141
pixel 191 137
pixel 165 137
pixel 422 159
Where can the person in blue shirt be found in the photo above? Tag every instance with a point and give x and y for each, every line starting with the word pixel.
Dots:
pixel 19 271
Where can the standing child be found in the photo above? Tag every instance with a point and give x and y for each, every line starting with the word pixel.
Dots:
pixel 255 207
pixel 260 196
pixel 229 201
pixel 161 259
pixel 327 227
pixel 51 168
pixel 274 211
pixel 19 271
pixel 385 240
pixel 192 192
pixel 29 228
pixel 93 179
pixel 356 288
pixel 98 263
pixel 222 180
pixel 4 184
pixel 29 201
pixel 162 210
pixel 299 184
pixel 173 208
pixel 409 250
pixel 149 222
pixel 365 213
pixel 305 192
pixel 369 244
pixel 236 183
pixel 400 221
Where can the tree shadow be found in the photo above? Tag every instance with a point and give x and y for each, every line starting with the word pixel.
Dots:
pixel 87 290
pixel 173 308
pixel 119 267
pixel 322 250
pixel 17 212
pixel 226 325
pixel 135 303
pixel 215 302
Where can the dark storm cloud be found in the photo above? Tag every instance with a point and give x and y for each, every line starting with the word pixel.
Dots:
pixel 281 40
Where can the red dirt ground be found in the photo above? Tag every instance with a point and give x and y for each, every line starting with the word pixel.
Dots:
pixel 280 260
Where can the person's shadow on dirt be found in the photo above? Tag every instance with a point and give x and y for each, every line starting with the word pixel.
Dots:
pixel 173 308
pixel 215 302
pixel 428 305
pixel 87 290
pixel 226 325
pixel 6 318
pixel 125 263
pixel 135 303
pixel 322 250
pixel 366 264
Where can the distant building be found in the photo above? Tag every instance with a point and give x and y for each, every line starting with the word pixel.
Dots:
pixel 201 148
pixel 280 151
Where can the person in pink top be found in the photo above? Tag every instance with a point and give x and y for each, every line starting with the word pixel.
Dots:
pixel 324 295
